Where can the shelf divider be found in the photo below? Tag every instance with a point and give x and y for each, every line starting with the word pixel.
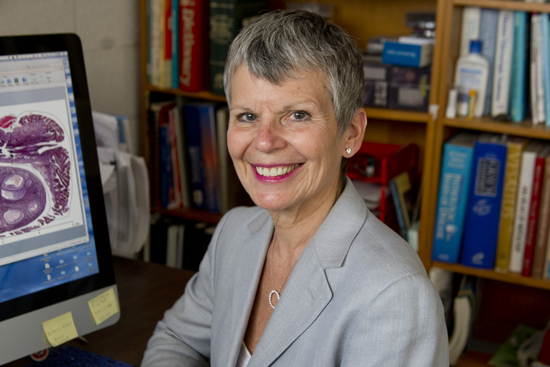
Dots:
pixel 490 274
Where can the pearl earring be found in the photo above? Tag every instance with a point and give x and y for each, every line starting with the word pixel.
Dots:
pixel 348 151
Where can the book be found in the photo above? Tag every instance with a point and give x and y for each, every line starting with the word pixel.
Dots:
pixel 541 243
pixel 508 207
pixel 523 201
pixel 532 221
pixel 210 156
pixel 400 187
pixel 222 120
pixel 519 67
pixel 488 36
pixel 194 55
pixel 538 110
pixel 484 202
pixel 193 143
pixel 182 156
pixel 155 38
pixel 503 64
pixel 166 76
pixel 545 65
pixel 174 158
pixel 453 194
pixel 470 30
pixel 226 19
pixel 174 245
pixel 175 44
pixel 167 194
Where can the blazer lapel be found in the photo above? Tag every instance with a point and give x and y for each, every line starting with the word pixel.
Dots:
pixel 246 279
pixel 305 296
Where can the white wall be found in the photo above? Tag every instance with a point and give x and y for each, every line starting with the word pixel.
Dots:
pixel 109 30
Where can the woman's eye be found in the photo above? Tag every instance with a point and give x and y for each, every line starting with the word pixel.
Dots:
pixel 299 115
pixel 246 117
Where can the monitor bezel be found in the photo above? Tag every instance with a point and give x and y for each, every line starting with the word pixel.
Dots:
pixel 31 44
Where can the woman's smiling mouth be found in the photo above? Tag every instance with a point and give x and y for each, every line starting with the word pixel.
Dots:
pixel 275 171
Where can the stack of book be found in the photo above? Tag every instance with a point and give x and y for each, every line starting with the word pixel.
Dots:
pixel 178 243
pixel 190 161
pixel 515 43
pixel 188 40
pixel 494 202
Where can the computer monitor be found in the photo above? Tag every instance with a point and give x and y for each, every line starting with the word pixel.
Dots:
pixel 55 253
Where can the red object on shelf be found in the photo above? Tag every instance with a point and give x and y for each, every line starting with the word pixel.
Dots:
pixel 389 161
pixel 544 356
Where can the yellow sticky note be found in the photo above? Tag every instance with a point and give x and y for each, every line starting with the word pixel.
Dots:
pixel 60 329
pixel 104 306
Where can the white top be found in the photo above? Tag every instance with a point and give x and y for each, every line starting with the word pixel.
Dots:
pixel 244 356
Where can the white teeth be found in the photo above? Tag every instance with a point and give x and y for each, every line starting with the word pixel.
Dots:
pixel 274 171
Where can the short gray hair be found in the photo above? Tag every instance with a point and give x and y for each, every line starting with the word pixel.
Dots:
pixel 284 42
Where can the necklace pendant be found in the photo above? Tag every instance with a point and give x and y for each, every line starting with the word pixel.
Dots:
pixel 274 292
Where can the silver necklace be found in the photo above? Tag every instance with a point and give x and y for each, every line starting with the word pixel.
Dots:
pixel 274 292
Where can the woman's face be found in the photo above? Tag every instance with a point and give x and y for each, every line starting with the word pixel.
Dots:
pixel 284 140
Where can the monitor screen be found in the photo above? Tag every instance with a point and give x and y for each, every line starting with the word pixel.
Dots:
pixel 54 244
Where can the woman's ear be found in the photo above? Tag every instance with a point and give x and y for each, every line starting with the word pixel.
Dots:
pixel 355 133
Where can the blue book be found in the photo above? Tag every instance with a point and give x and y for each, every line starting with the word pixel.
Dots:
pixel 210 156
pixel 546 66
pixel 520 53
pixel 453 194
pixel 399 210
pixel 166 174
pixel 479 243
pixel 488 36
pixel 193 142
pixel 175 44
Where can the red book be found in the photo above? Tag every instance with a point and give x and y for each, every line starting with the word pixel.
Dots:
pixel 194 52
pixel 533 217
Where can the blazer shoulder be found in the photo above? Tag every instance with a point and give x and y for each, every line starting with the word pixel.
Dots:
pixel 379 244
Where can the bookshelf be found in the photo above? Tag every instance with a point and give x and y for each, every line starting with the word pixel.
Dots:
pixel 428 130
pixel 502 288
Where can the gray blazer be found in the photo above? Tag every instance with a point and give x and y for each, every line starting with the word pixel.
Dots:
pixel 358 296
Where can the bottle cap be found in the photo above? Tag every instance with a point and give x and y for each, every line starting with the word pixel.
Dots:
pixel 475 46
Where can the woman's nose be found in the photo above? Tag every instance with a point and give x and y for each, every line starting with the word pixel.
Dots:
pixel 269 137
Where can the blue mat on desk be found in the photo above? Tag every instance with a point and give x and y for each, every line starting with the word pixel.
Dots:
pixel 71 356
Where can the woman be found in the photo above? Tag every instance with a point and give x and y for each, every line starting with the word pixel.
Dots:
pixel 309 277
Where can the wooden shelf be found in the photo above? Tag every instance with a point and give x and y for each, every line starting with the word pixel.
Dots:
pixel 473 359
pixel 509 5
pixel 207 96
pixel 397 115
pixel 190 213
pixel 524 129
pixel 490 274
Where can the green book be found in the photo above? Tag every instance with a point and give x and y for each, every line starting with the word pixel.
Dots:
pixel 227 17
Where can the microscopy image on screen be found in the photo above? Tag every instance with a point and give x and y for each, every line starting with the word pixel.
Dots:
pixel 34 172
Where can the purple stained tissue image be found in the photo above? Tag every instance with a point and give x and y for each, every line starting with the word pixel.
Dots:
pixel 34 172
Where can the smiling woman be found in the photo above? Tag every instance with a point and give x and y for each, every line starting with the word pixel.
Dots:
pixel 309 277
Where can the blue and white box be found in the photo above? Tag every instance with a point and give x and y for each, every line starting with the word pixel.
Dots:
pixel 406 54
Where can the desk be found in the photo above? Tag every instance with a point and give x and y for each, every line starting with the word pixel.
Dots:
pixel 145 291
